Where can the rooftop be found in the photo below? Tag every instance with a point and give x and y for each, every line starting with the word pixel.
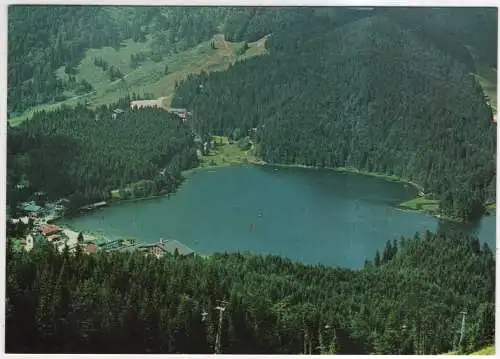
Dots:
pixel 31 207
pixel 170 245
pixel 25 220
pixel 49 229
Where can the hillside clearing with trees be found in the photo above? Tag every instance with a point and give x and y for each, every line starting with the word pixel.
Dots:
pixel 402 94
pixel 140 60
pixel 63 154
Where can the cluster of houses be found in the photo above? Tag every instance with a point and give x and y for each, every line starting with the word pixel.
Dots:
pixel 163 246
pixel 56 236
pixel 33 210
pixel 35 224
pixel 61 238
pixel 160 249
pixel 182 113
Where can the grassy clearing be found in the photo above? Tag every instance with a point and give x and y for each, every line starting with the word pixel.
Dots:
pixel 16 244
pixel 422 204
pixel 149 76
pixel 226 154
pixel 487 78
pixel 14 121
pixel 489 350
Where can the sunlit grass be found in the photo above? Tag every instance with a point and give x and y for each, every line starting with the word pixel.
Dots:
pixel 422 204
pixel 149 76
pixel 487 78
pixel 489 350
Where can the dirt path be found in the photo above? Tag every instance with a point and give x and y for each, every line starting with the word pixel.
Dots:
pixel 222 50
pixel 222 46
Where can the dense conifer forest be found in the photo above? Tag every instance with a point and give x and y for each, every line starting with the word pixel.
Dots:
pixel 384 90
pixel 369 94
pixel 43 38
pixel 407 302
pixel 84 154
pixel 466 34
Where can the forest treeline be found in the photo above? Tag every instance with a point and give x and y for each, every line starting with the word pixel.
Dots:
pixel 408 301
pixel 83 154
pixel 369 94
pixel 43 38
pixel 467 34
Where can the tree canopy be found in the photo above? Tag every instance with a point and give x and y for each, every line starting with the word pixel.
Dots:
pixel 84 154
pixel 41 39
pixel 368 94
pixel 384 90
pixel 128 303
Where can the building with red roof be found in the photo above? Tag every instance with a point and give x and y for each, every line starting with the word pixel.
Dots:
pixel 50 229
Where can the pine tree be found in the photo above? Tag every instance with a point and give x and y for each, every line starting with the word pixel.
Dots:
pixel 376 261
pixel 394 248
pixel 386 255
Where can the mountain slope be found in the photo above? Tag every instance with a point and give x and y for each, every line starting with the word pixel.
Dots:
pixel 454 30
pixel 82 154
pixel 41 39
pixel 408 304
pixel 44 63
pixel 369 95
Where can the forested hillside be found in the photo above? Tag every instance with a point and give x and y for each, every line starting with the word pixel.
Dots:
pixel 47 43
pixel 407 302
pixel 84 154
pixel 369 94
pixel 250 24
pixel 43 38
pixel 466 34
pixel 386 90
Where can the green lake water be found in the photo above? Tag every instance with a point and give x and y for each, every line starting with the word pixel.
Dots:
pixel 311 216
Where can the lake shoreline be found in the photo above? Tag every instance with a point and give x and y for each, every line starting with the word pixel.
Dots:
pixel 248 162
pixel 390 178
pixel 411 205
pixel 249 158
pixel 279 212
